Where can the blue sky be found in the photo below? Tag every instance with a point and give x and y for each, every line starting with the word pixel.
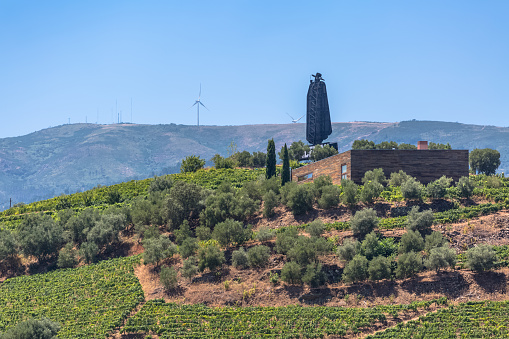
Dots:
pixel 381 61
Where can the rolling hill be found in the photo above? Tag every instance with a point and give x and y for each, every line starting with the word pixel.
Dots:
pixel 76 157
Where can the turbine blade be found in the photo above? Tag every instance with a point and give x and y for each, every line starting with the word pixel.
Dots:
pixel 204 106
pixel 290 116
pixel 193 104
pixel 300 117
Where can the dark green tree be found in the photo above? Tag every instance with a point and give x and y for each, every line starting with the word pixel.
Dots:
pixel 356 269
pixel 191 163
pixel 319 152
pixel 168 278
pixel 408 264
pixel 210 257
pixel 33 329
pixel 270 170
pixel 484 161
pixel 285 173
pixel 39 235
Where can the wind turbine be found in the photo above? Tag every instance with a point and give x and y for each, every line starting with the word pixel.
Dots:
pixel 198 103
pixel 295 120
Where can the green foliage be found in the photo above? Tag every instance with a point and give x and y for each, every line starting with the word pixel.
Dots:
pixel 231 232
pixel 411 189
pixel 348 250
pixel 329 197
pixel 313 275
pixel 188 247
pixel 363 144
pixel 270 201
pixel 484 161
pixel 356 269
pixel 306 250
pixel 183 233
pixel 265 234
pixel 300 199
pixel 168 278
pixel 33 329
pixel 88 251
pixel 68 256
pixel 7 244
pixel 411 241
pixel 349 192
pixel 376 175
pixel 441 257
pixel 481 258
pixel 239 258
pixel 183 203
pixel 398 178
pixel 39 235
pixel 379 268
pixel 227 205
pixel 88 302
pixel 363 222
pixel 297 150
pixel 409 264
pixel 319 152
pixel 105 231
pixel 438 188
pixel 388 145
pixel 243 159
pixel 157 249
pixel 465 187
pixel 270 164
pixel 285 172
pixel 286 240
pixel 223 163
pixel 369 246
pixel 211 257
pixel 259 159
pixel 189 268
pixel 203 233
pixel 315 228
pixel 291 273
pixel 258 256
pixel 370 191
pixel 192 163
pixel 434 240
pixel 419 221
pixel 433 145
pixel 322 182
pixel 160 184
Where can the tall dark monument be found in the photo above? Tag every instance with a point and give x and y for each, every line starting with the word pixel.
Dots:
pixel 318 125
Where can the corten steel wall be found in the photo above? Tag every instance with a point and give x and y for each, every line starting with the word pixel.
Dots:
pixel 329 166
pixel 425 165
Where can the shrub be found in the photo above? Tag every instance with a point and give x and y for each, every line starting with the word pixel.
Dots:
pixel 191 163
pixel 39 235
pixel 258 159
pixel 265 234
pixel 291 273
pixel 157 249
pixel 356 269
pixel 286 240
pixel 411 189
pixel 67 256
pixel 438 188
pixel 7 244
pixel 398 178
pixel 465 187
pixel 220 162
pixel 188 247
pixel 434 240
pixel 329 197
pixel 285 191
pixel 420 221
pixel 321 182
pixel 239 258
pixel 379 268
pixel 182 203
pixel 411 242
pixel 369 246
pixel 370 191
pixel 481 258
pixel 88 251
pixel 33 329
pixel 258 256
pixel 314 276
pixel 183 233
pixel 441 257
pixel 273 184
pixel 348 250
pixel 231 232
pixel 203 233
pixel 168 278
pixel 319 152
pixel 300 199
pixel 376 175
pixel 244 159
pixel 303 251
pixel 210 257
pixel 363 222
pixel 409 264
pixel 160 184
pixel 349 192
pixel 315 228
pixel 106 230
pixel 270 201
pixel 189 269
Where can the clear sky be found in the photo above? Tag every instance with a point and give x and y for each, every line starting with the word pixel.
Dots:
pixel 385 60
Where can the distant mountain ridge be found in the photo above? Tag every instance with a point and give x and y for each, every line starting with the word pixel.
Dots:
pixel 76 157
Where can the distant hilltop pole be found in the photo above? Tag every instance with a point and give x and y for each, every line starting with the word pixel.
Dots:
pixel 318 124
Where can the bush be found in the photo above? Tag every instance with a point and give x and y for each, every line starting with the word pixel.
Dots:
pixel 379 268
pixel 210 257
pixel 420 221
pixel 33 329
pixel 434 240
pixel 314 276
pixel 270 201
pixel 67 256
pixel 258 159
pixel 437 189
pixel 376 175
pixel 157 249
pixel 191 163
pixel 322 182
pixel 258 256
pixel 189 269
pixel 303 251
pixel 80 224
pixel 106 230
pixel 411 242
pixel 285 191
pixel 168 278
pixel 329 197
pixel 291 273
pixel 300 199
pixel 411 189
pixel 398 178
pixel 370 191
pixel 188 247
pixel 265 234
pixel 356 269
pixel 182 203
pixel 239 258
pixel 39 235
pixel 220 162
pixel 319 152
pixel 7 244
pixel 363 222
pixel 244 159
pixel 441 257
pixel 286 240
pixel 465 187
pixel 88 251
pixel 409 264
pixel 183 233
pixel 315 228
pixel 203 233
pixel 160 184
pixel 231 232
pixel 369 246
pixel 349 192
pixel 348 250
pixel 481 258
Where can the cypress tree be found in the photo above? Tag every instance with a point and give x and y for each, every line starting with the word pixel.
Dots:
pixel 270 171
pixel 285 174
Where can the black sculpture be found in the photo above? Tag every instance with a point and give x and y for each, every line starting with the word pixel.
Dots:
pixel 318 125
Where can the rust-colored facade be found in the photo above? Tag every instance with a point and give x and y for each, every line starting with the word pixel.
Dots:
pixel 425 165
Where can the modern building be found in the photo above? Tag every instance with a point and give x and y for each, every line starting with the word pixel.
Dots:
pixel 424 164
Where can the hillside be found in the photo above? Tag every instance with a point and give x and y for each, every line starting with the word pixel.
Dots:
pixel 71 158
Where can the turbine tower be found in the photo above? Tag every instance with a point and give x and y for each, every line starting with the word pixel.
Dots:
pixel 198 103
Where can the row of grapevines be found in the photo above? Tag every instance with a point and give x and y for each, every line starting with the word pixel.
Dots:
pixel 169 320
pixel 88 302
pixel 485 319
